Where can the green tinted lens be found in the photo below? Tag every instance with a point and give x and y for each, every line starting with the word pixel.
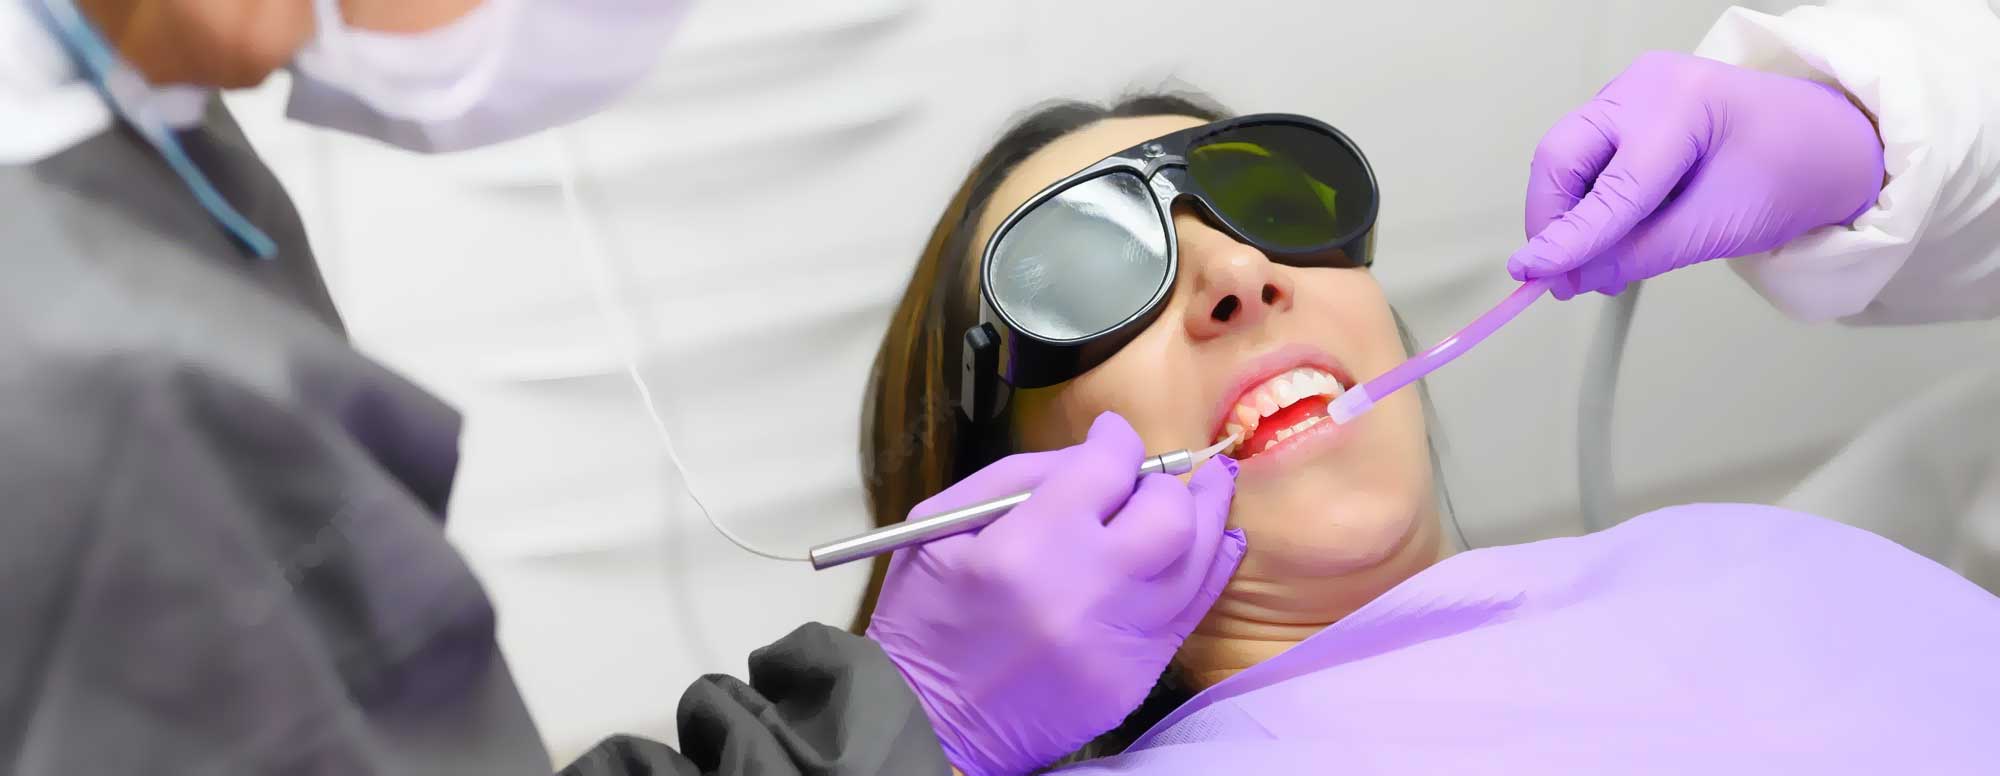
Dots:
pixel 1290 187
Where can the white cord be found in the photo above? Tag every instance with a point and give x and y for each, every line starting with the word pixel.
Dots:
pixel 626 331
pixel 1596 492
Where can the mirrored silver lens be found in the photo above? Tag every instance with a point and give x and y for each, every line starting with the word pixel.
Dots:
pixel 1082 261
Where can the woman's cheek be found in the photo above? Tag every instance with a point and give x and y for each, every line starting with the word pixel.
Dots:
pixel 1130 384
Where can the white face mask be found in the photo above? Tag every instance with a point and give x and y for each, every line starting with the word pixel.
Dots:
pixel 506 69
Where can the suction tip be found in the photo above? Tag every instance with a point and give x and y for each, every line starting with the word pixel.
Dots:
pixel 1350 405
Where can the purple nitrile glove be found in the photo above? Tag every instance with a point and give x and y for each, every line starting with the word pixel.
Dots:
pixel 1047 627
pixel 1682 159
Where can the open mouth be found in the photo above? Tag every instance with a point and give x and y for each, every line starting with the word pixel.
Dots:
pixel 1278 408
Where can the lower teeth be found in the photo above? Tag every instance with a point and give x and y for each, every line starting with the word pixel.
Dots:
pixel 1291 432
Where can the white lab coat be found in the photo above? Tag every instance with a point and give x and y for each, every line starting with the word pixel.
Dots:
pixel 1927 474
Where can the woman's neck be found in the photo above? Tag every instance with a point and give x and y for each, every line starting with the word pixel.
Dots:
pixel 1265 612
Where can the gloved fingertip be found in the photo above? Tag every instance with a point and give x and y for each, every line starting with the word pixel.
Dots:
pixel 1235 538
pixel 1111 444
pixel 1214 486
pixel 1111 428
pixel 1596 276
pixel 1525 266
pixel 1566 285
pixel 1106 421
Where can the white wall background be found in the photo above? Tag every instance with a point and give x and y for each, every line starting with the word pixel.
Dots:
pixel 764 196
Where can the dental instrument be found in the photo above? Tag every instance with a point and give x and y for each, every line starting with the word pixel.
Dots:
pixel 927 529
pixel 1361 398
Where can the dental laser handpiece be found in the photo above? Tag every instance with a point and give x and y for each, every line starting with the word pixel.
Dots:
pixel 1361 398
pixel 921 530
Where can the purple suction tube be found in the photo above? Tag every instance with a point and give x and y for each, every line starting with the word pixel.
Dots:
pixel 1362 397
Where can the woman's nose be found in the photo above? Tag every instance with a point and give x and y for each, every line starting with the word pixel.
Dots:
pixel 1233 286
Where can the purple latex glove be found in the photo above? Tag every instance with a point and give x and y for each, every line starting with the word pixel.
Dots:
pixel 1046 628
pixel 1681 160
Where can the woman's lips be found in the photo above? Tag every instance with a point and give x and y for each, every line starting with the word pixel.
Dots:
pixel 1279 395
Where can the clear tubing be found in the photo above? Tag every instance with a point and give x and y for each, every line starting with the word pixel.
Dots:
pixel 1358 400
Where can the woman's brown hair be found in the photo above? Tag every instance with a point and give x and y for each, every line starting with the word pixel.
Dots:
pixel 913 439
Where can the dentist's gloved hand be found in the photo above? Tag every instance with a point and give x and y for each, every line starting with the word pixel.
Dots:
pixel 1681 160
pixel 1047 627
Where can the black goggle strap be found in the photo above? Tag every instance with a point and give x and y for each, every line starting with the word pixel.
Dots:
pixel 981 393
pixel 982 403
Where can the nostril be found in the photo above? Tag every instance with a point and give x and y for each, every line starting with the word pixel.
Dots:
pixel 1225 309
pixel 1270 293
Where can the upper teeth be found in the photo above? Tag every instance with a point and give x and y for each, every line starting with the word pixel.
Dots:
pixel 1275 394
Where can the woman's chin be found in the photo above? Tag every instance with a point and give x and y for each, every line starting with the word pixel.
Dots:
pixel 1319 536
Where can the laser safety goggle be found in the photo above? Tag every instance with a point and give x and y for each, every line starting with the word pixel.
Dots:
pixel 1087 264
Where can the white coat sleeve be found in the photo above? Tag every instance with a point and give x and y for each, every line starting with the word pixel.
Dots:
pixel 1928 72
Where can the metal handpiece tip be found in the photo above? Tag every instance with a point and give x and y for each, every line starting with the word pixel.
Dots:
pixel 1211 450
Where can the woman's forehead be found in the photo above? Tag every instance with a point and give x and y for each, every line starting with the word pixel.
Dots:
pixel 1068 154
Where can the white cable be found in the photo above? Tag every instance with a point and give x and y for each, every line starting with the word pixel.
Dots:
pixel 1594 485
pixel 626 332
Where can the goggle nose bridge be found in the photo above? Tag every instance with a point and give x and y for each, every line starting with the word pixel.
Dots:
pixel 1169 182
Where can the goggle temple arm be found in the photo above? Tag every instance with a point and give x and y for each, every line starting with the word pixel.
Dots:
pixel 981 394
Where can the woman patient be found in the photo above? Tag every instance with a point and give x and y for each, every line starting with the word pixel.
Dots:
pixel 1391 659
